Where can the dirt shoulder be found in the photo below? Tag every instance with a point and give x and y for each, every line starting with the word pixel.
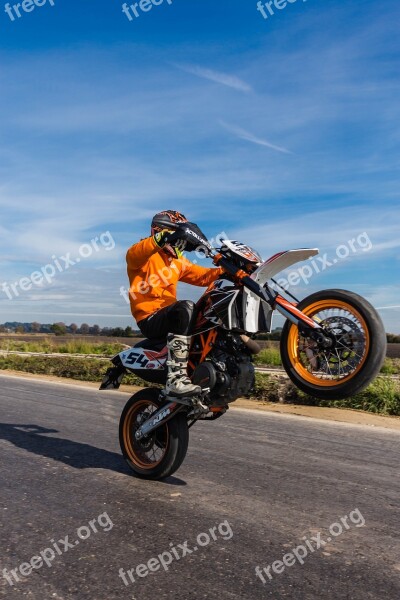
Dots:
pixel 328 414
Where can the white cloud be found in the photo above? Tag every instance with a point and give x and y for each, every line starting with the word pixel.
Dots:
pixel 249 137
pixel 388 307
pixel 326 229
pixel 216 76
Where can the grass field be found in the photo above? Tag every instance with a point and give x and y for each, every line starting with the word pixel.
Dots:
pixel 393 350
pixel 381 396
pixel 70 346
pixel 268 357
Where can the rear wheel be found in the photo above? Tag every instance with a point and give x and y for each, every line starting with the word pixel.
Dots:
pixel 355 358
pixel 162 452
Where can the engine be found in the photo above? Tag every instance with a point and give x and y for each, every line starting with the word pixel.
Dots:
pixel 228 371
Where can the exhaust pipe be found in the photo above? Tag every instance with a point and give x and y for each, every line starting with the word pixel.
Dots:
pixel 252 345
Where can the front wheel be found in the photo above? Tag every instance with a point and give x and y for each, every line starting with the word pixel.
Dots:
pixel 162 452
pixel 356 356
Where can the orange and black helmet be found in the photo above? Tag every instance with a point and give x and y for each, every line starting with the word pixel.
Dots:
pixel 167 219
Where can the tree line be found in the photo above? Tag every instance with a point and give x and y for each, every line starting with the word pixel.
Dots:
pixel 61 328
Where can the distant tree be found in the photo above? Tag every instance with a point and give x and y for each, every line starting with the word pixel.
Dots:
pixel 95 330
pixel 84 329
pixel 35 327
pixel 128 331
pixel 20 329
pixel 392 338
pixel 73 328
pixel 59 328
pixel 118 332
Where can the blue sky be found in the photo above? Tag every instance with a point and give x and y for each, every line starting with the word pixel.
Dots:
pixel 282 132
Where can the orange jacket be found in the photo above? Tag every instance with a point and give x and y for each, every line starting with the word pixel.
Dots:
pixel 153 277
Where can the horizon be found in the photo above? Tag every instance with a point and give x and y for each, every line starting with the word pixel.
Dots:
pixel 102 328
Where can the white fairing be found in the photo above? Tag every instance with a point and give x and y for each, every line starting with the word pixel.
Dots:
pixel 242 250
pixel 252 305
pixel 142 358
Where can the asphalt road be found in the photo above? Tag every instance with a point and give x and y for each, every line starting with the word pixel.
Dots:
pixel 266 483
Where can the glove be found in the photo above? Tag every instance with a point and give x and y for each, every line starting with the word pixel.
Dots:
pixel 193 237
pixel 186 237
pixel 170 238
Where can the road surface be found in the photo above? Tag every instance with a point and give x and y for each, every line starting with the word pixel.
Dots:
pixel 254 487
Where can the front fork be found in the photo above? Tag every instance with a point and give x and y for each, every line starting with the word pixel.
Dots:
pixel 307 327
pixel 158 418
pixel 168 411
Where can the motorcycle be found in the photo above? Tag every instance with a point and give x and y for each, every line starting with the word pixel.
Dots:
pixel 332 346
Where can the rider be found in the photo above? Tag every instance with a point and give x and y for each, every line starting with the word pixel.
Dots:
pixel 154 268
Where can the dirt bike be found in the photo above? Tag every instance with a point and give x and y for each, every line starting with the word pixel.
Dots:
pixel 333 344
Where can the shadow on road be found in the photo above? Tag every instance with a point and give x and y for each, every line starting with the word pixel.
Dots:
pixel 74 454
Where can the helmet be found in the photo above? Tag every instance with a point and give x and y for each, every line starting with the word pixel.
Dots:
pixel 167 219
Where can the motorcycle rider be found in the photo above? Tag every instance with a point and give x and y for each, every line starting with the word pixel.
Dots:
pixel 155 265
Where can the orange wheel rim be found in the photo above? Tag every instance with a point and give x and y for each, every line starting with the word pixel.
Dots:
pixel 296 350
pixel 135 449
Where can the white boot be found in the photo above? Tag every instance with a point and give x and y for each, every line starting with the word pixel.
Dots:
pixel 178 382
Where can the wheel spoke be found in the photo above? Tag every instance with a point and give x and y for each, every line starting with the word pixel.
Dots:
pixel 348 351
pixel 351 350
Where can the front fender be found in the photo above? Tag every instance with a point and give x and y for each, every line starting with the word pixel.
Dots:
pixel 281 261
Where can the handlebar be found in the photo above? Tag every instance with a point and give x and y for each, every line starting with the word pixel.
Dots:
pixel 245 279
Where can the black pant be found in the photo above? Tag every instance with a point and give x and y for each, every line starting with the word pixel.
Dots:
pixel 176 318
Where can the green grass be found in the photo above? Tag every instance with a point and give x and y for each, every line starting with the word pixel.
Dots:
pixel 391 366
pixel 81 369
pixel 73 347
pixel 270 357
pixel 381 396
